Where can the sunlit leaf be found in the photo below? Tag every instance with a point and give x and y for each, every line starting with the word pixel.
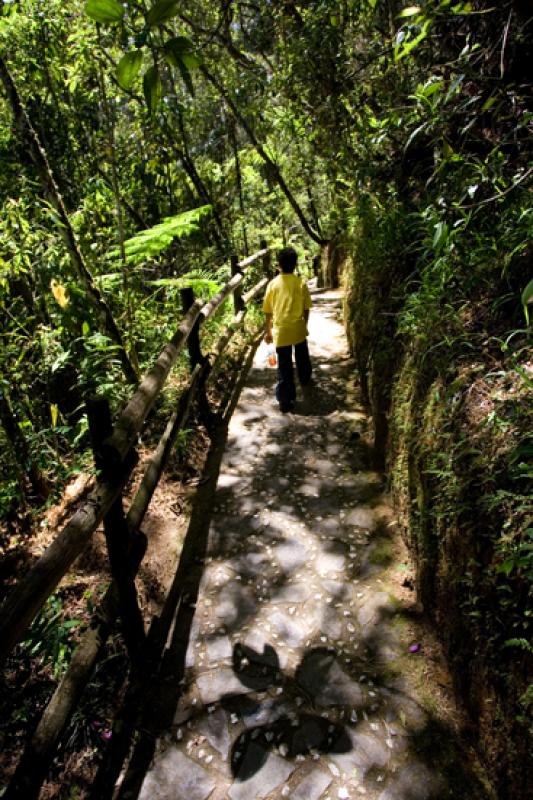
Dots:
pixel 441 235
pixel 462 8
pixel 488 103
pixel 447 149
pixel 405 47
pixel 410 11
pixel 527 298
pixel 60 293
pixel 527 294
pixel 54 411
pixel 161 11
pixel 104 11
pixel 128 68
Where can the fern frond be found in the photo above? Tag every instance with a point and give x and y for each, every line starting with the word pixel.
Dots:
pixel 149 243
pixel 523 644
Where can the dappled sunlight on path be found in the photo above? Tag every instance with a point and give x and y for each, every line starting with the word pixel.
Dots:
pixel 294 682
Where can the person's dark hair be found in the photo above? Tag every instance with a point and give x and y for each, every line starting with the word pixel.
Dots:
pixel 287 259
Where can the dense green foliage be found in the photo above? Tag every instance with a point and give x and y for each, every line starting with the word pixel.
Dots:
pixel 179 133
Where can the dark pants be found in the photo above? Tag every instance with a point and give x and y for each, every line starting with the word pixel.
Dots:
pixel 285 389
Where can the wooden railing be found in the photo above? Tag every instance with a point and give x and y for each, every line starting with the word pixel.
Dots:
pixel 115 459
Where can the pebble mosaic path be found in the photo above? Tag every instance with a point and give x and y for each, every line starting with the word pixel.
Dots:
pixel 292 685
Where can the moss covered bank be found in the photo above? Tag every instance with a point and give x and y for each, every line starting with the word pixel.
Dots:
pixel 444 361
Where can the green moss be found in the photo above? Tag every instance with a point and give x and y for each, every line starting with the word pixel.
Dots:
pixel 382 552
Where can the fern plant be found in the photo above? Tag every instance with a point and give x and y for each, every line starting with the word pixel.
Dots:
pixel 152 241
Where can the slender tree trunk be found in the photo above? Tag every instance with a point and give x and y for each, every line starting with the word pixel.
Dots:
pixel 312 205
pixel 39 158
pixel 134 214
pixel 233 137
pixel 274 169
pixel 120 222
pixel 199 184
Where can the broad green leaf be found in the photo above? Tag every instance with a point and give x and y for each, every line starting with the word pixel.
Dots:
pixel 181 49
pixel 441 234
pixel 488 103
pixel 527 294
pixel 85 329
pixel 431 88
pixel 404 48
pixel 527 298
pixel 462 8
pixel 161 11
pixel 104 10
pixel 186 76
pixel 507 566
pixel 410 11
pixel 128 68
pixel 153 88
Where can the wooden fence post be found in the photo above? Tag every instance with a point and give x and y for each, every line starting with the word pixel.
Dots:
pixel 196 357
pixel 117 535
pixel 238 302
pixel 267 259
pixel 193 342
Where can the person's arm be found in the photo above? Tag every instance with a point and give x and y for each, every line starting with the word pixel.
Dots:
pixel 268 329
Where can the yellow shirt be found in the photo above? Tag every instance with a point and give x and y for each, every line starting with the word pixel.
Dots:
pixel 286 298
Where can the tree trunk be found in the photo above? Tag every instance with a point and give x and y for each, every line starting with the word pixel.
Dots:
pixel 200 186
pixel 238 175
pixel 274 169
pixel 39 158
pixel 120 224
pixel 134 214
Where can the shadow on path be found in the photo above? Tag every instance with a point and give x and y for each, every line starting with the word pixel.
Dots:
pixel 286 669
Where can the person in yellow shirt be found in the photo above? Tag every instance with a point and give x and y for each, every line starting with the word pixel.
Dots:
pixel 286 307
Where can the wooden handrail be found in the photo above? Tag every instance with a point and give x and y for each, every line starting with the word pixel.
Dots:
pixel 254 257
pixel 256 290
pixel 209 308
pixel 31 770
pixel 153 472
pixel 31 593
pixel 117 458
pixel 131 420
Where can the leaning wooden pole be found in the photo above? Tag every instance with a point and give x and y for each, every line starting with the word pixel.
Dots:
pixel 29 136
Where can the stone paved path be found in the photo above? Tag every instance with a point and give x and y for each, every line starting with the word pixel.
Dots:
pixel 295 681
